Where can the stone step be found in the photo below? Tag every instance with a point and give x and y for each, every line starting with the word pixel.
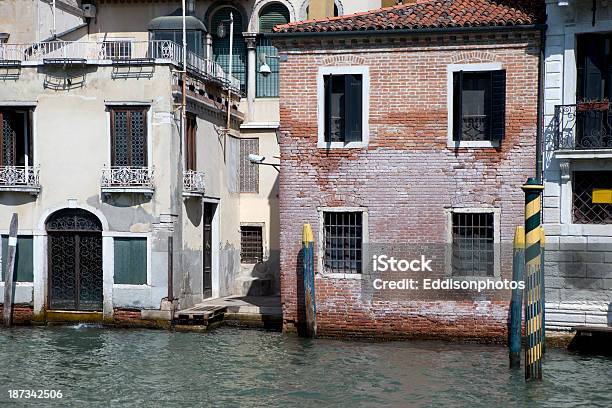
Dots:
pixel 253 286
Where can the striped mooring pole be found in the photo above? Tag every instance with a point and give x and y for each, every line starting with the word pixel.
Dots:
pixel 533 280
pixel 310 304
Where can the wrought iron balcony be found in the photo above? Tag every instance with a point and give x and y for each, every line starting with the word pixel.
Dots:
pixel 20 179
pixel 123 179
pixel 583 126
pixel 118 52
pixel 193 183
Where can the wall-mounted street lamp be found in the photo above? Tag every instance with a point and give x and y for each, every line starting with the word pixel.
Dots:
pixel 264 68
pixel 259 160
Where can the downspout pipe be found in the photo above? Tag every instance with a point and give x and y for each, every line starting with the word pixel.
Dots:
pixel 540 142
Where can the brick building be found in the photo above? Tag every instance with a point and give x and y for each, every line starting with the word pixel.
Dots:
pixel 414 124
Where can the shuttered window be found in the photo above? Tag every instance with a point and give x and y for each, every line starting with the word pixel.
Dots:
pixel 249 172
pixel 130 261
pixel 190 144
pixel 129 137
pixel 23 259
pixel 343 108
pixel 221 45
pixel 267 83
pixel 479 105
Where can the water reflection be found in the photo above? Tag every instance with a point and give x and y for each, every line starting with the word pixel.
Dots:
pixel 228 367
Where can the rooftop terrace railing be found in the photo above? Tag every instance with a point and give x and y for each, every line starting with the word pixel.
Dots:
pixel 117 52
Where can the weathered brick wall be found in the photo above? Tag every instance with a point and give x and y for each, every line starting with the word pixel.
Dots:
pixel 22 314
pixel 406 177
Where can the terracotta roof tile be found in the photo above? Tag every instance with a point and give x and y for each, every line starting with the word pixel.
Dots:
pixel 429 14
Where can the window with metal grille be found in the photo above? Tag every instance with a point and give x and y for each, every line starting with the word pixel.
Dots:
pixel 592 197
pixel 129 137
pixel 343 239
pixel 479 105
pixel 251 244
pixel 249 172
pixel 473 249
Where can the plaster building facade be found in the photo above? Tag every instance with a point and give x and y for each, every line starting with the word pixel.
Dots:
pixel 97 164
pixel 410 139
pixel 577 164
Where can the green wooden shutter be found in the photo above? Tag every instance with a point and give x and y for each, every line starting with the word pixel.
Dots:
pixel 272 15
pixel 130 261
pixel 267 85
pixel 221 45
pixel 498 105
pixel 457 105
pixel 353 108
pixel 24 259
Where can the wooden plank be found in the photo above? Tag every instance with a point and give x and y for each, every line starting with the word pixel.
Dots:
pixel 9 273
pixel 310 304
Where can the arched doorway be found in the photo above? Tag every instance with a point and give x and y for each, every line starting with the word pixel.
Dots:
pixel 75 260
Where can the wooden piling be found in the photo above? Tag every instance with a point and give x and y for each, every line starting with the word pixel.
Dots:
pixel 309 286
pixel 516 304
pixel 9 273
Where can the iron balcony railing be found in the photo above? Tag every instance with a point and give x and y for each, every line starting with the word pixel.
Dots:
pixel 193 182
pixel 128 177
pixel 583 126
pixel 117 51
pixel 19 177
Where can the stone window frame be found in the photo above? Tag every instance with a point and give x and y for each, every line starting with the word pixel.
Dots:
pixel 362 70
pixel 448 251
pixel 469 67
pixel 321 250
pixel 109 105
pixel 26 232
pixel 111 259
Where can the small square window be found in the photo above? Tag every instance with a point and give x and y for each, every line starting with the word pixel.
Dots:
pixel 342 242
pixel 473 244
pixel 130 261
pixel 592 197
pixel 24 259
pixel 251 244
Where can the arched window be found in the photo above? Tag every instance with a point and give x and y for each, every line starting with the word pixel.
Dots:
pixel 271 15
pixel 221 43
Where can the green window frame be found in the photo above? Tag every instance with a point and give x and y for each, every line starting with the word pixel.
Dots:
pixel 24 259
pixel 130 260
pixel 220 46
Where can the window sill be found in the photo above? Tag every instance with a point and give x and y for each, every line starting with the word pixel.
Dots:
pixel 341 145
pixel 131 286
pixel 473 144
pixel 355 276
pixel 19 284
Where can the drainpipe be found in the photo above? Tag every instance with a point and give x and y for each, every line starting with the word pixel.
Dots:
pixel 54 20
pixel 540 142
pixel 229 74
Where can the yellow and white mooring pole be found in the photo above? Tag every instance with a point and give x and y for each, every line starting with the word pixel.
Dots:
pixel 534 311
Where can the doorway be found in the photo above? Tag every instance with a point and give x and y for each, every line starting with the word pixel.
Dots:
pixel 207 261
pixel 75 260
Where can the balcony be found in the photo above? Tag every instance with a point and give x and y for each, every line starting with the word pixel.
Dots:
pixel 67 53
pixel 123 179
pixel 583 130
pixel 193 183
pixel 20 179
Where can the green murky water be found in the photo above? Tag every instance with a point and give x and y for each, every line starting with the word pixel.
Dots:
pixel 235 368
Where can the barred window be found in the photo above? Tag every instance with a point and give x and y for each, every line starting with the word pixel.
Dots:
pixel 251 244
pixel 343 239
pixel 249 172
pixel 473 250
pixel 592 197
pixel 129 137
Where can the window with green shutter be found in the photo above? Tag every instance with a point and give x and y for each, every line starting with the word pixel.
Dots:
pixel 131 261
pixel 267 84
pixel 24 259
pixel 221 44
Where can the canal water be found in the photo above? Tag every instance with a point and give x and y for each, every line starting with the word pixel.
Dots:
pixel 239 368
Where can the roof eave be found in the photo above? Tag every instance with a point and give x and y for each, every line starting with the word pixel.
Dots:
pixel 437 30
